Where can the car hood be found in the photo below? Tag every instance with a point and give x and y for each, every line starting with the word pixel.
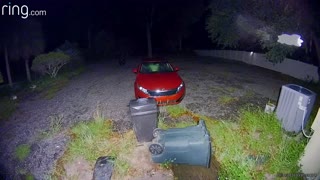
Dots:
pixel 160 81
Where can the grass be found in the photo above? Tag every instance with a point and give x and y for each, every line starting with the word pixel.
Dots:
pixel 22 152
pixel 48 87
pixel 251 147
pixel 175 111
pixel 225 100
pixel 55 126
pixel 95 138
pixel 7 107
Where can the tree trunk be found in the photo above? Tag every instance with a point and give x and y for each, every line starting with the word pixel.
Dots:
pixel 149 40
pixel 7 65
pixel 26 63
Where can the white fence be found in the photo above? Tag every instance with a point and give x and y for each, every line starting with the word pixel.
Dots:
pixel 294 68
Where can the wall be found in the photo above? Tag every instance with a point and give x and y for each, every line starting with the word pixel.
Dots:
pixel 294 68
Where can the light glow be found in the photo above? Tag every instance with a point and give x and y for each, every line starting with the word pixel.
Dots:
pixel 292 40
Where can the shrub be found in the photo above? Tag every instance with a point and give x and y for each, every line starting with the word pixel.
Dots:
pixel 72 50
pixel 22 152
pixel 1 78
pixel 50 63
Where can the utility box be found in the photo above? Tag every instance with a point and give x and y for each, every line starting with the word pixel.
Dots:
pixel 190 145
pixel 294 107
pixel 144 116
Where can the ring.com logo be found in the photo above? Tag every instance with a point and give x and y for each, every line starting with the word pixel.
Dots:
pixel 23 11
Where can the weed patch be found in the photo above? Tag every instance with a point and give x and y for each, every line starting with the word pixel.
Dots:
pixel 176 111
pixel 225 100
pixel 55 126
pixel 7 107
pixel 93 139
pixel 251 147
pixel 22 152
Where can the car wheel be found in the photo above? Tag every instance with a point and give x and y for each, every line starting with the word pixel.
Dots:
pixel 156 149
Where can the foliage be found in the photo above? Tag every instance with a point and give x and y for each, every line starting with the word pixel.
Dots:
pixel 175 111
pixel 224 100
pixel 72 50
pixel 103 44
pixel 1 77
pixel 167 164
pixel 22 151
pixel 55 125
pixel 7 107
pixel 26 40
pixel 278 53
pixel 96 138
pixel 220 25
pixel 243 23
pixel 50 63
pixel 251 147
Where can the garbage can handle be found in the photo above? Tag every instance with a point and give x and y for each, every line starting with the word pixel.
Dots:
pixel 142 100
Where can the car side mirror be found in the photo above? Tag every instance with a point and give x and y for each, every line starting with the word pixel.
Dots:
pixel 135 70
pixel 176 69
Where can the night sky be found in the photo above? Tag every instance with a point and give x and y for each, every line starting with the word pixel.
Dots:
pixel 121 19
pixel 70 20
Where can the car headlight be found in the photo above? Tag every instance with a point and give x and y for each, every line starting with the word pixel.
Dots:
pixel 144 90
pixel 180 87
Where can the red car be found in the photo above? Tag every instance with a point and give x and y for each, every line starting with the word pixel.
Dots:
pixel 159 80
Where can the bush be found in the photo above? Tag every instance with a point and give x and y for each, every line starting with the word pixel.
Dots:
pixel 72 50
pixel 1 77
pixel 50 63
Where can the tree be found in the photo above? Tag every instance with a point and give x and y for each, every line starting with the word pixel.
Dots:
pixel 235 23
pixel 1 77
pixel 50 63
pixel 27 41
pixel 179 18
pixel 5 42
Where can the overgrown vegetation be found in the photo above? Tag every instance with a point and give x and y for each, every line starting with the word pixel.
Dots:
pixel 50 63
pixel 55 125
pixel 95 138
pixel 251 147
pixel 48 87
pixel 7 107
pixel 22 152
pixel 1 78
pixel 225 100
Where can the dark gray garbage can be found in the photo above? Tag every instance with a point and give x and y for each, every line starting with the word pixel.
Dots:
pixel 144 116
pixel 190 145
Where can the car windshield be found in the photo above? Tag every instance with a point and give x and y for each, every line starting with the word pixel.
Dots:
pixel 155 67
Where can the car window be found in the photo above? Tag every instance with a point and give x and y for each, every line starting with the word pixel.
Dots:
pixel 155 67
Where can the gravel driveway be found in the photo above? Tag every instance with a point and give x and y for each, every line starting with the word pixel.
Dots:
pixel 110 87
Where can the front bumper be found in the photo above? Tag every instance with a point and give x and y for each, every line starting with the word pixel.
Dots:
pixel 163 100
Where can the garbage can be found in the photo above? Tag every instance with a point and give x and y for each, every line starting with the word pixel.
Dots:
pixel 190 145
pixel 144 116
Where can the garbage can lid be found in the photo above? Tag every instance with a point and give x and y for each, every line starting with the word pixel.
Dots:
pixel 300 89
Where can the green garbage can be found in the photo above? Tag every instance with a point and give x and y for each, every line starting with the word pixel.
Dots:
pixel 190 145
pixel 144 116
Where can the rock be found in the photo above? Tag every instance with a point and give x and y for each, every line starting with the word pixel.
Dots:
pixel 103 168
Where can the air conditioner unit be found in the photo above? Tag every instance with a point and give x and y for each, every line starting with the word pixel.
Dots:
pixel 294 107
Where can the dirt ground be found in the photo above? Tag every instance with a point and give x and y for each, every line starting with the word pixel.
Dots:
pixel 216 88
